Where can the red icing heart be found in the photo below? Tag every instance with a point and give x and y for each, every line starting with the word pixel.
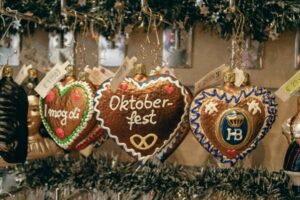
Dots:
pixel 169 89
pixel 231 152
pixel 50 97
pixel 123 86
pixel 75 97
pixel 60 133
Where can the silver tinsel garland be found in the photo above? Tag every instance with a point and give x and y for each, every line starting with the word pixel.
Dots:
pixel 106 175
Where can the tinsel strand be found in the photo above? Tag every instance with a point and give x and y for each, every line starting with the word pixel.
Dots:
pixel 262 18
pixel 168 180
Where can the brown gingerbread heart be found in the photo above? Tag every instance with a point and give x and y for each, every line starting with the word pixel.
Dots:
pixel 67 113
pixel 143 117
pixel 255 123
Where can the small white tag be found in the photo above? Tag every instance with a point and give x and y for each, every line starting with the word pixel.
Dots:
pixel 51 78
pixel 289 88
pixel 239 77
pixel 98 75
pixel 215 77
pixel 123 71
pixel 23 73
pixel 106 72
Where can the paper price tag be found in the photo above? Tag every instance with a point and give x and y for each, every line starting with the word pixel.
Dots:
pixel 52 77
pixel 98 75
pixel 289 88
pixel 23 73
pixel 239 77
pixel 106 72
pixel 122 72
pixel 214 77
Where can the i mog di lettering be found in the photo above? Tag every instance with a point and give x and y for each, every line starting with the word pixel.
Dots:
pixel 63 114
pixel 122 104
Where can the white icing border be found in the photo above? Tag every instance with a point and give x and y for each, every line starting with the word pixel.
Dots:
pixel 184 93
pixel 90 113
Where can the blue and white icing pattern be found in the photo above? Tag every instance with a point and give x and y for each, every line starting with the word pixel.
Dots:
pixel 266 97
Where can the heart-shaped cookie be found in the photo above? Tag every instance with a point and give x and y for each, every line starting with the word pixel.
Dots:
pixel 67 113
pixel 143 117
pixel 230 124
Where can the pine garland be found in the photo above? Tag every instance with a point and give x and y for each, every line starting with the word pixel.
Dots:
pixel 263 19
pixel 169 181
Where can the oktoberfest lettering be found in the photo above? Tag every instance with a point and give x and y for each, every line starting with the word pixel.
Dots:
pixel 134 105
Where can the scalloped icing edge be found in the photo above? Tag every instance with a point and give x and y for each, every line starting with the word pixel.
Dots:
pixel 263 94
pixel 184 93
pixel 161 155
pixel 88 113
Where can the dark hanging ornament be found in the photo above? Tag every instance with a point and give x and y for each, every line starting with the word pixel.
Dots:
pixel 13 119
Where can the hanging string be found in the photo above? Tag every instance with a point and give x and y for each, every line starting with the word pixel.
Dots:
pixel 237 38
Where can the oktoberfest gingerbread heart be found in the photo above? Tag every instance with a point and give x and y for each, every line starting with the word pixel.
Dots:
pixel 68 115
pixel 144 114
pixel 230 121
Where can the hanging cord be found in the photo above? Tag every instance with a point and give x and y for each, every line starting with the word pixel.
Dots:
pixel 237 38
pixel 153 17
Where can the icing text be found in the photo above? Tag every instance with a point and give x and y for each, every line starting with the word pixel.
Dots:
pixel 63 114
pixel 134 105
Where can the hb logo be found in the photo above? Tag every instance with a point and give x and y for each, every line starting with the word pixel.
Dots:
pixel 235 121
pixel 236 133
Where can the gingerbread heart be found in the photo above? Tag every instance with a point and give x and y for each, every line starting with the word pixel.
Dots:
pixel 67 113
pixel 230 124
pixel 143 117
